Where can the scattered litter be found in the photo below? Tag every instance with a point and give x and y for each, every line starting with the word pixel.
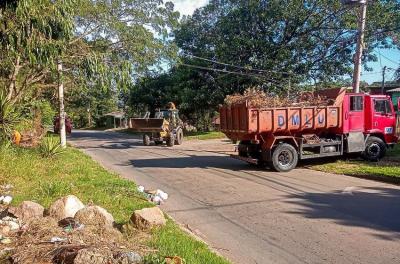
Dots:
pixel 57 240
pixel 6 200
pixel 162 195
pixel 157 200
pixel 12 223
pixel 5 241
pixel 69 224
pixel 156 196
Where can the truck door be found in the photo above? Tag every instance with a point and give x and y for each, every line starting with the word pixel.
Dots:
pixel 354 113
pixel 383 117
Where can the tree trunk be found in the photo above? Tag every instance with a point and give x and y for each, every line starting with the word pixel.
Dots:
pixel 63 134
pixel 13 79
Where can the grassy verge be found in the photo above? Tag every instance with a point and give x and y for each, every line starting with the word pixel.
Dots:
pixel 204 135
pixel 389 167
pixel 45 180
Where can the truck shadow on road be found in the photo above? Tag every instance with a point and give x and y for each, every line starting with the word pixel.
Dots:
pixel 203 162
pixel 376 208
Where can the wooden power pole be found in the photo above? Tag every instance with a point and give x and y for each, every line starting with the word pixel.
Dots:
pixel 383 79
pixel 360 46
pixel 63 134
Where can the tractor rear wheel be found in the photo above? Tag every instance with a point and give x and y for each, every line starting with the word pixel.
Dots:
pixel 284 158
pixel 146 140
pixel 179 137
pixel 171 141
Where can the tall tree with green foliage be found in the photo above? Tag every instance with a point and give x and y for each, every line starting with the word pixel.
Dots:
pixel 282 46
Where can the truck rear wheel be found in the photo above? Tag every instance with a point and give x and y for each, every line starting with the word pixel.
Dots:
pixel 375 149
pixel 284 158
pixel 146 140
pixel 171 141
pixel 179 137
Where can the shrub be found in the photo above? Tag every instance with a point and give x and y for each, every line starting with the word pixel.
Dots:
pixel 50 147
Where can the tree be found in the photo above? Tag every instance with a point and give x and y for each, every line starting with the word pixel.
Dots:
pixel 32 36
pixel 281 46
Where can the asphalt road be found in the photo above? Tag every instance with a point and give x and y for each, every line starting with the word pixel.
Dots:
pixel 251 215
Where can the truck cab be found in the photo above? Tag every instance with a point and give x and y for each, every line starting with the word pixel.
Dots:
pixel 373 115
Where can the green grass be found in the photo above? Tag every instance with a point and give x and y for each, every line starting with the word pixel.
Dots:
pixel 204 135
pixel 44 180
pixel 388 167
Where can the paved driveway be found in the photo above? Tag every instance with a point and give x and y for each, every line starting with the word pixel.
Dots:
pixel 251 215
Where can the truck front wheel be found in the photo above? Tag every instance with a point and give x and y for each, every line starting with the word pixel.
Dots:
pixel 146 140
pixel 375 149
pixel 284 158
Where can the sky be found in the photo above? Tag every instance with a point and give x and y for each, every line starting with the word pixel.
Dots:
pixel 187 7
pixel 389 58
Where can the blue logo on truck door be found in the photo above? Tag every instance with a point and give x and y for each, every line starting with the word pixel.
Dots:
pixel 388 130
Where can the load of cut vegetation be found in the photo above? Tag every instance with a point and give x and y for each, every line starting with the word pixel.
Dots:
pixel 258 98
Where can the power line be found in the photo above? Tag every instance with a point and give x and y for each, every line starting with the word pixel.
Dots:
pixel 237 66
pixel 230 72
pixel 397 63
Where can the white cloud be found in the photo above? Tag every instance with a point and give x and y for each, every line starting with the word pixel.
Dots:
pixel 187 7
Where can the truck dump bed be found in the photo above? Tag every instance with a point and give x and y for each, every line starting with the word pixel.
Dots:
pixel 147 124
pixel 241 120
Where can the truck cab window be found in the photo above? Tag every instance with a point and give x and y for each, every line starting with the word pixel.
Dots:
pixel 356 103
pixel 382 106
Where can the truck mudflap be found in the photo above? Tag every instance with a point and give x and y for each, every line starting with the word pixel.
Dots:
pixel 246 159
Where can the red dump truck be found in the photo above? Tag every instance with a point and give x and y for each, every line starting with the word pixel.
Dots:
pixel 280 137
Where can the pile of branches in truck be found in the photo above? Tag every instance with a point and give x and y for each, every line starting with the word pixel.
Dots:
pixel 257 98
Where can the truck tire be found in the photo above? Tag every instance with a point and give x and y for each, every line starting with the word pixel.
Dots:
pixel 171 141
pixel 146 140
pixel 284 158
pixel 375 149
pixel 179 137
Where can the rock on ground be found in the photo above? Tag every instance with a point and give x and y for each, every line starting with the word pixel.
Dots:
pixel 94 256
pixel 94 215
pixel 65 207
pixel 128 258
pixel 148 218
pixel 27 210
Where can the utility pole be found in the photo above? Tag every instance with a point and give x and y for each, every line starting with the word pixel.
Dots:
pixel 63 134
pixel 360 46
pixel 383 80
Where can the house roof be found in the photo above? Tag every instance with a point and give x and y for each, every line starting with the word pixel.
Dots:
pixel 116 114
pixel 395 90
